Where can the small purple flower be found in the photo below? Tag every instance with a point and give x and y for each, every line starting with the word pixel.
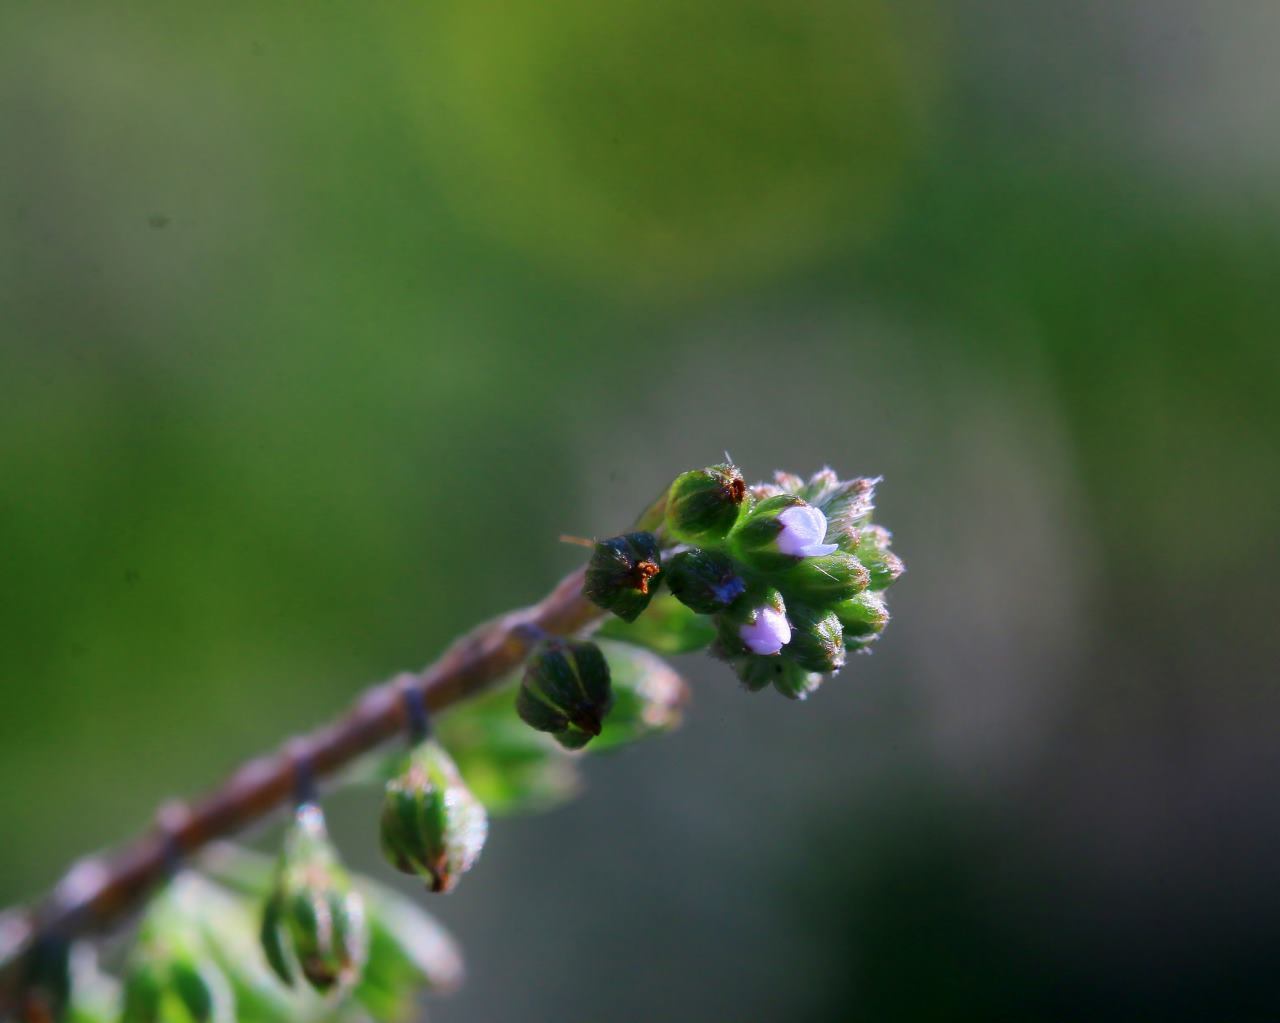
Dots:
pixel 803 529
pixel 768 634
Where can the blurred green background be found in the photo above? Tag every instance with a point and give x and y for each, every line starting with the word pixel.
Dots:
pixel 319 324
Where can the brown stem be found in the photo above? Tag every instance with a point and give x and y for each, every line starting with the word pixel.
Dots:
pixel 101 891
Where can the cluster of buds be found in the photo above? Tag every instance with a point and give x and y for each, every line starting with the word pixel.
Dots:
pixel 790 572
pixel 782 580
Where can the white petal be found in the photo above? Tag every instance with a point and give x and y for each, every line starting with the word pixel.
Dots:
pixel 803 530
pixel 768 634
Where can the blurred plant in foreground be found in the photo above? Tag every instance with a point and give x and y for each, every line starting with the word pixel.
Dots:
pixel 781 580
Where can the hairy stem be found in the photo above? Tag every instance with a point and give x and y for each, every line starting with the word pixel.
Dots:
pixel 101 891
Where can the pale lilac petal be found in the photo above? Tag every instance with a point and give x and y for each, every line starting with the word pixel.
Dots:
pixel 768 634
pixel 803 530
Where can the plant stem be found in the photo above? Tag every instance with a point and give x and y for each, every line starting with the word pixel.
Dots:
pixel 101 891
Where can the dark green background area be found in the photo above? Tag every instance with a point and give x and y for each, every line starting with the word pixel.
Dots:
pixel 319 325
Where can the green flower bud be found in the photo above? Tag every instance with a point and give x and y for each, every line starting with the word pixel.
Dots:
pixel 703 504
pixel 648 697
pixel 827 580
pixel 870 545
pixel 785 675
pixel 432 825
pixel 863 616
pixel 565 691
pixel 622 574
pixel 314 922
pixel 704 581
pixel 781 531
pixel 817 640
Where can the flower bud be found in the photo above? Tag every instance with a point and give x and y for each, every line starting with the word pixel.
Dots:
pixel 704 581
pixel 863 616
pixel 870 545
pixel 432 825
pixel 827 580
pixel 566 691
pixel 314 922
pixel 621 575
pixel 785 675
pixel 648 697
pixel 817 640
pixel 703 504
pixel 757 625
pixel 781 531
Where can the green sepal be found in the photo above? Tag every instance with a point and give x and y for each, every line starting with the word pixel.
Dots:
pixel 648 697
pixel 432 825
pixel 704 581
pixel 704 504
pixel 623 573
pixel 667 627
pixel 817 640
pixel 824 580
pixel 409 952
pixel 565 691
pixel 786 676
pixel 870 545
pixel 863 616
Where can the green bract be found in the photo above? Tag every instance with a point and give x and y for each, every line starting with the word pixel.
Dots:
pixel 409 952
pixel 507 765
pixel 565 691
pixel 667 627
pixel 648 697
pixel 432 825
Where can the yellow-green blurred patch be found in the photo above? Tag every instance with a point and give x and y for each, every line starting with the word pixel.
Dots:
pixel 661 147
